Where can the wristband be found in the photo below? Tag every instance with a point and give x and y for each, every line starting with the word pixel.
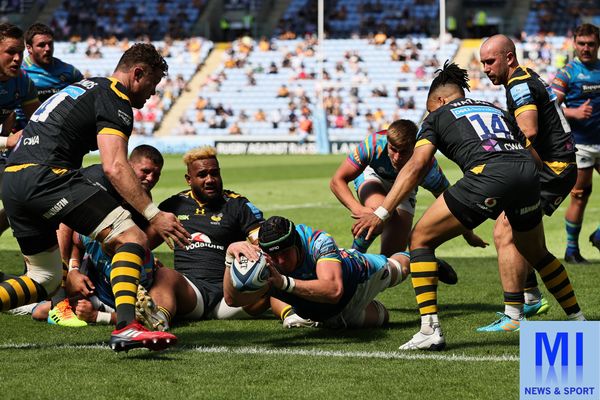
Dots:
pixel 103 318
pixel 73 264
pixel 3 142
pixel 382 213
pixel 288 284
pixel 151 211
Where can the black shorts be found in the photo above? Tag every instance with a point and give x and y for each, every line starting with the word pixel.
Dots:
pixel 212 293
pixel 37 198
pixel 510 187
pixel 556 187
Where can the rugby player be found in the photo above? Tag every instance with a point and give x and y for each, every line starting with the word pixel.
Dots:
pixel 500 177
pixel 577 85
pixel 333 287
pixel 216 218
pixel 373 165
pixel 548 137
pixel 43 186
pixel 49 74
pixel 18 92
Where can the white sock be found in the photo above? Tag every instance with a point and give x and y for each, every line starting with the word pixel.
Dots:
pixel 428 322
pixel 532 295
pixel 514 311
pixel 578 316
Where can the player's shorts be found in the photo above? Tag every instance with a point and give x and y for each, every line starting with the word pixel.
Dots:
pixel 369 175
pixel 37 198
pixel 512 187
pixel 365 293
pixel 556 185
pixel 208 296
pixel 588 156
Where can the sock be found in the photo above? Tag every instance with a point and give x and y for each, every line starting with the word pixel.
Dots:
pixel 573 230
pixel 424 276
pixel 556 279
pixel 532 292
pixel 513 304
pixel 361 244
pixel 428 322
pixel 19 291
pixel 165 315
pixel 286 312
pixel 578 316
pixel 124 278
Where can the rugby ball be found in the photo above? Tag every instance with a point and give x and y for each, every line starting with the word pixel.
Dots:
pixel 249 276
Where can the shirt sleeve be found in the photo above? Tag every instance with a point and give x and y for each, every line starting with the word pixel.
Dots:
pixel 324 248
pixel 113 115
pixel 426 134
pixel 364 153
pixel 560 83
pixel 522 97
pixel 249 217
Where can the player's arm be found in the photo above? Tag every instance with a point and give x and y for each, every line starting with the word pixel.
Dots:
pixel 77 282
pixel 407 180
pixel 528 123
pixel 560 87
pixel 113 154
pixel 346 173
pixel 327 288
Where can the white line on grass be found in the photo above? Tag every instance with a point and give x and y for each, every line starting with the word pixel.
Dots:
pixel 394 355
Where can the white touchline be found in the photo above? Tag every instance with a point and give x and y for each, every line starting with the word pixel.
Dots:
pixel 393 355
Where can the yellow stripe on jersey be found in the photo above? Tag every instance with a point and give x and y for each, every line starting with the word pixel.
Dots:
pixel 422 142
pixel 111 131
pixel 478 169
pixel 113 86
pixel 528 107
pixel 60 171
pixel 557 166
pixel 328 259
pixel 16 168
pixel 520 78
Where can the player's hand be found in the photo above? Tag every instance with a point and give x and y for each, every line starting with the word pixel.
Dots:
pixel 79 283
pixel 170 229
pixel 370 224
pixel 584 111
pixel 475 241
pixel 245 248
pixel 13 139
pixel 85 311
pixel 276 279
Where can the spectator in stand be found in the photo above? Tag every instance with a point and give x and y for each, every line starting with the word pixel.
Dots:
pixel 259 115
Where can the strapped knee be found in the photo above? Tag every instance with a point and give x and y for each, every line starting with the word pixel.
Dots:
pixel 581 194
pixel 46 269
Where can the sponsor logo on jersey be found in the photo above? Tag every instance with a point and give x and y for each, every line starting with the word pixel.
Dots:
pixel 521 94
pixel 526 210
pixel 590 88
pixel 581 75
pixel 217 218
pixel 490 202
pixel 31 141
pixel 124 117
pixel 56 208
pixel 183 217
pixel 202 241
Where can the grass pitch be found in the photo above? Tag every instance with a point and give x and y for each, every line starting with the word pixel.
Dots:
pixel 259 359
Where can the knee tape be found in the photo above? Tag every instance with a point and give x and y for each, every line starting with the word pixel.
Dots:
pixel 46 269
pixel 394 264
pixel 118 219
pixel 581 193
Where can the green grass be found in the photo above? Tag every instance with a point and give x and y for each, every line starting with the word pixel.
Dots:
pixel 214 361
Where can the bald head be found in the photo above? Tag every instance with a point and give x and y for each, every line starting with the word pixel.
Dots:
pixel 499 59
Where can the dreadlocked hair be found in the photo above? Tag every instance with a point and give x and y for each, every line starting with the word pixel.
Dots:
pixel 451 74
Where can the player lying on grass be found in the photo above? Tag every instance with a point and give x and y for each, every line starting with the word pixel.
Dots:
pixel 323 283
pixel 500 177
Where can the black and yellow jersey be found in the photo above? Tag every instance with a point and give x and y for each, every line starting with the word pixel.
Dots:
pixel 213 228
pixel 527 91
pixel 65 127
pixel 473 132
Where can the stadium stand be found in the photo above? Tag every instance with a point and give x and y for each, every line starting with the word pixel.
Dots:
pixel 183 56
pixel 272 91
pixel 126 18
pixel 559 17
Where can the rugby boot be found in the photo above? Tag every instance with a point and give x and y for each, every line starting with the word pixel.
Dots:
pixel 62 314
pixel 538 308
pixel 135 336
pixel 503 324
pixel 147 313
pixel 430 337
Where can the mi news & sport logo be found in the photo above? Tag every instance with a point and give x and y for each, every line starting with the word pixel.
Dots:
pixel 560 360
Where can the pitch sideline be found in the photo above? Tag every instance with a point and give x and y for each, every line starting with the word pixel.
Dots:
pixel 395 355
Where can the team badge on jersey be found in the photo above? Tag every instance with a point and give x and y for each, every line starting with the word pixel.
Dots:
pixel 521 94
